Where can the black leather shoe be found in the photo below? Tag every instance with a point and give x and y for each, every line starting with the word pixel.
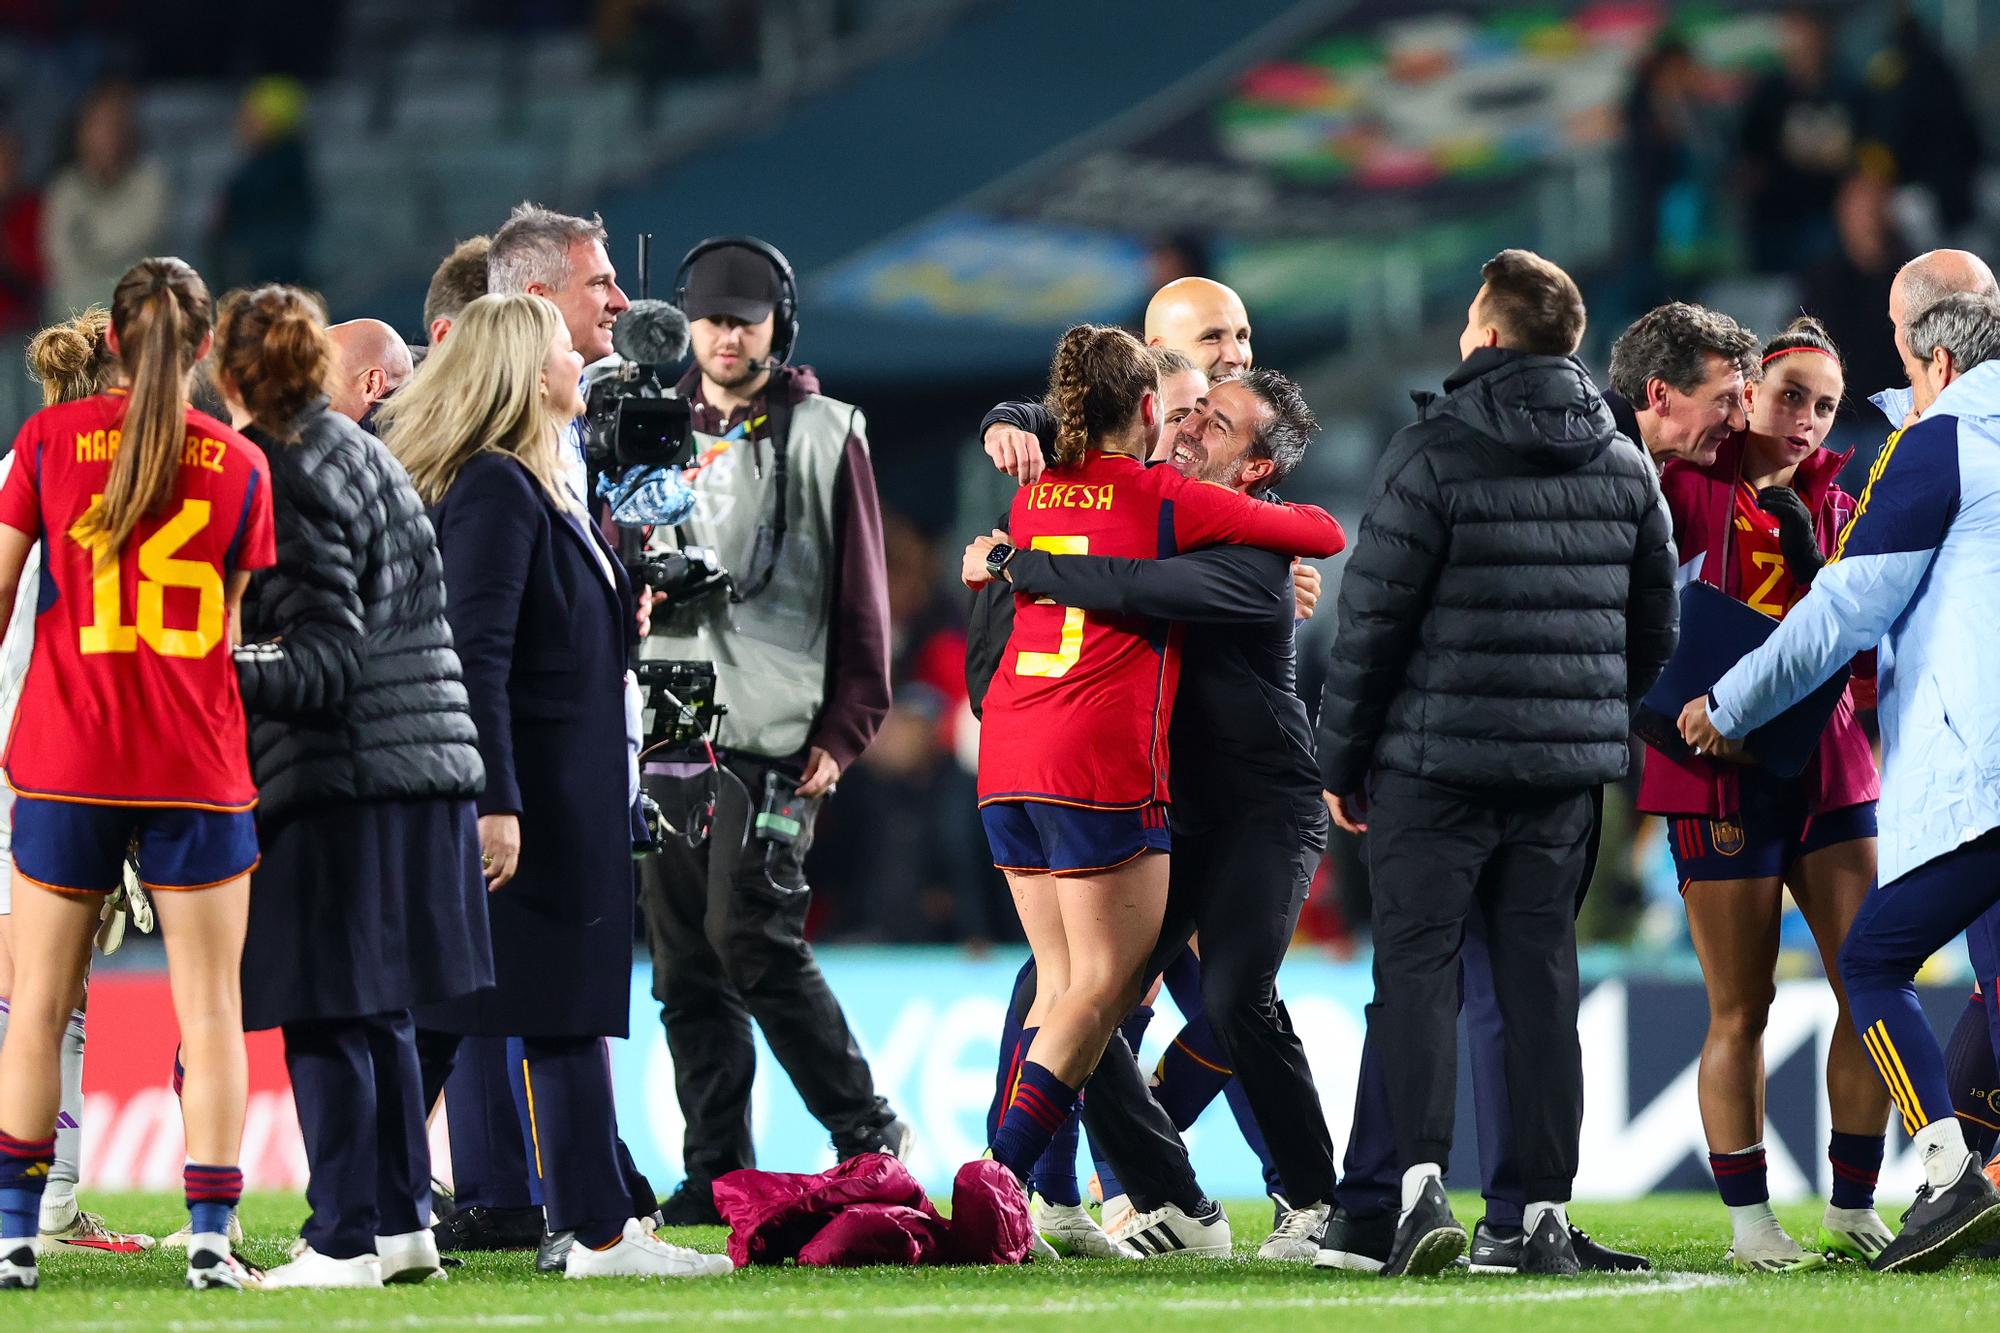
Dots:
pixel 1547 1251
pixel 553 1253
pixel 1942 1223
pixel 1428 1238
pixel 1598 1258
pixel 1357 1244
pixel 477 1227
pixel 692 1204
pixel 893 1138
pixel 1496 1249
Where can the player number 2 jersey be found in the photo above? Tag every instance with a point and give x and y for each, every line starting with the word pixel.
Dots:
pixel 1077 712
pixel 131 694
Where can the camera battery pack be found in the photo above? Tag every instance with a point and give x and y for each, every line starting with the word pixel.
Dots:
pixel 781 814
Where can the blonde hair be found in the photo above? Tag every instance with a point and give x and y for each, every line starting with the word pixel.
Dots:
pixel 73 359
pixel 480 391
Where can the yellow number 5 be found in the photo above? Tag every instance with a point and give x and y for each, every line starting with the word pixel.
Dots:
pixel 1070 646
pixel 158 571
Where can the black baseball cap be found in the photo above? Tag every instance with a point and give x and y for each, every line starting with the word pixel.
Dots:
pixel 732 280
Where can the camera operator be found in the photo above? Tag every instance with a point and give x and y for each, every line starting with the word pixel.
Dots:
pixel 798 635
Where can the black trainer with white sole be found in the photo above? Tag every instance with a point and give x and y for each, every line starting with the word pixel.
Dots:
pixel 1547 1252
pixel 1942 1223
pixel 1357 1244
pixel 1496 1249
pixel 1428 1238
pixel 553 1253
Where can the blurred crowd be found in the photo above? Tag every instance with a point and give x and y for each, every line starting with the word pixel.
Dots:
pixel 1856 150
pixel 66 240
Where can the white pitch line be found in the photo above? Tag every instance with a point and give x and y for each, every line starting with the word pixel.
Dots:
pixel 1621 1289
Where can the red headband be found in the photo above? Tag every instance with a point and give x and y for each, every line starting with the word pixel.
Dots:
pixel 1773 356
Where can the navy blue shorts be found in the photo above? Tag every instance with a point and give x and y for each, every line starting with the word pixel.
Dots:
pixel 1769 832
pixel 1037 837
pixel 75 847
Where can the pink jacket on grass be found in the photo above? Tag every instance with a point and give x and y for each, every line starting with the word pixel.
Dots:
pixel 1702 501
pixel 871 1210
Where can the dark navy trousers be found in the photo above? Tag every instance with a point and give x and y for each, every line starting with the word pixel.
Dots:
pixel 361 1111
pixel 562 1093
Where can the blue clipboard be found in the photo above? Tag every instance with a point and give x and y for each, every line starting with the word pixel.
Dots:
pixel 1717 632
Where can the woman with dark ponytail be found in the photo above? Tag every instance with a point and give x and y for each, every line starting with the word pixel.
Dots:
pixel 130 735
pixel 369 901
pixel 1073 745
pixel 1759 522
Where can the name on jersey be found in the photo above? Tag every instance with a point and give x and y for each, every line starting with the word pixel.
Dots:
pixel 1069 495
pixel 101 446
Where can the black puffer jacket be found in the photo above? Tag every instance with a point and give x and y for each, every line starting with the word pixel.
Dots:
pixel 1511 593
pixel 347 668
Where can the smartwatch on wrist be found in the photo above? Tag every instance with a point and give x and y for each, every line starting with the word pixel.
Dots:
pixel 997 558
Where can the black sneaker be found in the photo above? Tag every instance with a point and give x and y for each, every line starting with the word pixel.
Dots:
pixel 894 1138
pixel 1597 1258
pixel 1942 1223
pixel 1496 1249
pixel 1358 1244
pixel 1428 1238
pixel 1548 1252
pixel 553 1253
pixel 692 1204
pixel 477 1227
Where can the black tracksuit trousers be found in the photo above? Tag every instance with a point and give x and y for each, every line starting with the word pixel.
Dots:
pixel 1436 855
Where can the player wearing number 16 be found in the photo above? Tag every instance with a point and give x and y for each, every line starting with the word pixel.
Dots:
pixel 1073 747
pixel 131 731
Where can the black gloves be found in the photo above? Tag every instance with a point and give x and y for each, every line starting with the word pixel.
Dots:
pixel 1796 537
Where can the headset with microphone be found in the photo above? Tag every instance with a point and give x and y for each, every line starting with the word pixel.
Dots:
pixel 785 321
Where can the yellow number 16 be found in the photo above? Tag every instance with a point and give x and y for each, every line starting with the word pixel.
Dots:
pixel 107 631
pixel 1070 647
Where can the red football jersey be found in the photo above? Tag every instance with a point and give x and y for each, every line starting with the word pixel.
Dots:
pixel 1763 580
pixel 131 696
pixel 1077 713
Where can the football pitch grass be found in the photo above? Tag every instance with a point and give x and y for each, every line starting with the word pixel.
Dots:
pixel 1684 1233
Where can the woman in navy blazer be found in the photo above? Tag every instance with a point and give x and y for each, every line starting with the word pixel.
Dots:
pixel 543 621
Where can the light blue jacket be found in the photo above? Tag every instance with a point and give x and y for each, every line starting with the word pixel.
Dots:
pixel 1917 571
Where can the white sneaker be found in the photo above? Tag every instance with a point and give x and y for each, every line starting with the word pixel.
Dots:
pixel 639 1253
pixel 1072 1232
pixel 1169 1232
pixel 1766 1247
pixel 179 1239
pixel 212 1265
pixel 310 1268
pixel 87 1232
pixel 1115 1211
pixel 1853 1233
pixel 1297 1236
pixel 410 1257
pixel 17 1265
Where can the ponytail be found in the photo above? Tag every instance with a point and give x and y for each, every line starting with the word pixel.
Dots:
pixel 161 312
pixel 1099 375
